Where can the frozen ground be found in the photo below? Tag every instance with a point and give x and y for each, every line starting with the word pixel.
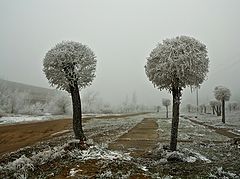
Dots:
pixel 232 120
pixel 202 153
pixel 28 118
pixel 12 119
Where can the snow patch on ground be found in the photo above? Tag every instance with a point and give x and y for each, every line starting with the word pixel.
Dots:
pixel 185 157
pixel 220 173
pixel 98 152
pixel 21 166
pixel 144 168
pixel 106 174
pixel 182 155
pixel 195 155
pixel 60 132
pixel 73 172
pixel 26 118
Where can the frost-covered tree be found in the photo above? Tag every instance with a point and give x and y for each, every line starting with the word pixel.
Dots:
pixel 134 105
pixel 126 106
pixel 203 108
pixel 173 65
pixel 17 101
pixel 166 103
pixel 12 100
pixel 189 107
pixel 33 109
pixel 106 109
pixel 222 94
pixel 213 105
pixel 233 106
pixel 230 107
pixel 71 66
pixel 89 100
pixel 4 95
pixel 92 103
pixel 218 108
pixel 59 104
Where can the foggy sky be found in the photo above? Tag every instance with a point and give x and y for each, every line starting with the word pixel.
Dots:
pixel 122 33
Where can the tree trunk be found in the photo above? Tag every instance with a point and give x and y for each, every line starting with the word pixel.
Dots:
pixel 167 112
pixel 218 111
pixel 213 110
pixel 77 113
pixel 223 111
pixel 176 93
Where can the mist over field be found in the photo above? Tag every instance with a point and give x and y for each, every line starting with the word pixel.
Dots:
pixel 122 34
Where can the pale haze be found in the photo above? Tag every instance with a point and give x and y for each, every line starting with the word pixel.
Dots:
pixel 122 34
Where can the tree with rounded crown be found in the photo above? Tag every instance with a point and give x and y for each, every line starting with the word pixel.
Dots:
pixel 222 94
pixel 216 107
pixel 213 106
pixel 203 108
pixel 166 103
pixel 235 105
pixel 71 66
pixel 189 107
pixel 173 65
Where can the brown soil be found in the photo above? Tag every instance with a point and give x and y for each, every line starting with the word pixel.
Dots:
pixel 16 136
pixel 138 140
pixel 13 137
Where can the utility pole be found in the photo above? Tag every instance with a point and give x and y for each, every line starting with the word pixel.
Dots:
pixel 197 98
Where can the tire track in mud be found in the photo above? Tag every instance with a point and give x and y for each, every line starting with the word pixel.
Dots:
pixel 222 131
pixel 138 140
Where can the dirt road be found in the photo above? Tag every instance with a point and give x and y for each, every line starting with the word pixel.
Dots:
pixel 135 135
pixel 13 137
pixel 141 138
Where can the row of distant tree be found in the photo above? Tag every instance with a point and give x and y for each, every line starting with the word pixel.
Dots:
pixel 93 103
pixel 14 101
pixel 213 107
pixel 222 94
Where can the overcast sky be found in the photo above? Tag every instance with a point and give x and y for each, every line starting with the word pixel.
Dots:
pixel 122 33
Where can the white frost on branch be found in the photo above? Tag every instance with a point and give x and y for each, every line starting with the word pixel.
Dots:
pixel 214 103
pixel 68 63
pixel 182 58
pixel 222 93
pixel 166 102
pixel 97 152
pixel 59 104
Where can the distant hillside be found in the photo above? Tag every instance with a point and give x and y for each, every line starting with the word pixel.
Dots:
pixel 35 93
